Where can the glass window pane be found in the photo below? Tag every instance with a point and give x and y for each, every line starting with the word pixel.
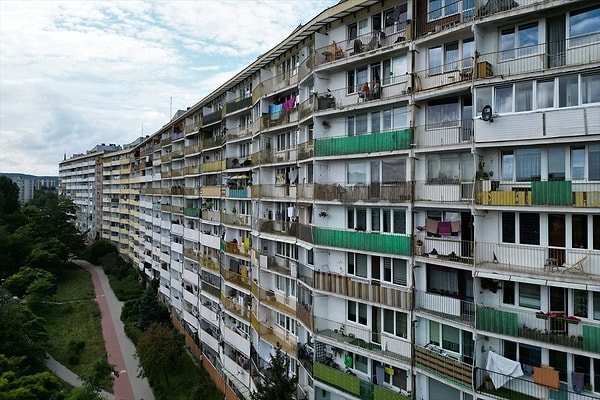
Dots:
pixel 529 228
pixel 388 321
pixel 401 324
pixel 594 162
pixel 451 338
pixel 400 118
pixel 387 120
pixel 468 51
pixel 362 313
pixel 524 96
pixel 545 94
pixel 442 115
pixel 504 99
pixel 584 22
pixel 596 302
pixel 529 295
pixel 357 173
pixel 435 60
pixel 568 89
pixel 375 122
pixel 507 165
pixel 434 332
pixel 590 88
pixel 393 170
pixel 451 56
pixel 577 163
pixel 580 303
pixel 351 311
pixel 528 39
pixel 507 43
pixel 361 124
pixel 435 10
pixel 556 163
pixel 528 163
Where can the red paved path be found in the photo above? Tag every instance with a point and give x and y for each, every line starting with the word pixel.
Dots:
pixel 121 385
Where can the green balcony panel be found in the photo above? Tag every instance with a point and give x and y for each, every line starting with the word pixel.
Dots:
pixel 497 321
pixel 337 378
pixel 191 212
pixel 384 141
pixel 368 241
pixel 238 105
pixel 382 393
pixel 552 193
pixel 591 338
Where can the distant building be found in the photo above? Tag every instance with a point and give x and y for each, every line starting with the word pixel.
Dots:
pixel 28 184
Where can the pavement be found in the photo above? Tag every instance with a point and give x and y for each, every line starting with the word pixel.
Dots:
pixel 127 385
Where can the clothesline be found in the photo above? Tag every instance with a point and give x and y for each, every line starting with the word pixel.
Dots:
pixel 442 228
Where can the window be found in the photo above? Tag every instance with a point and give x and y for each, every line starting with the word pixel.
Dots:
pixel 568 90
pixel 443 114
pixel 580 303
pixel 529 228
pixel 577 162
pixel 395 70
pixel 357 125
pixel 442 280
pixel 394 322
pixel 523 38
pixel 286 323
pixel 356 172
pixel 434 333
pixel 545 94
pixel 357 312
pixel 446 58
pixel 504 99
pixel 451 338
pixel 524 96
pixel 579 231
pixel 441 8
pixel 508 292
pixel 590 88
pixel 584 26
pixel 594 162
pixel 530 355
pixel 443 168
pixel 507 165
pixel 508 227
pixel 393 170
pixel 528 164
pixel 596 305
pixel 435 60
pixel 357 264
pixel 556 164
pixel 356 78
pixel 529 295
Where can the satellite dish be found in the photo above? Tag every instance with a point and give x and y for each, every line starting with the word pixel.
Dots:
pixel 486 113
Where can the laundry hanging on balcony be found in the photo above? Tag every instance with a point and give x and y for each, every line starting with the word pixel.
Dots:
pixel 275 111
pixel 501 369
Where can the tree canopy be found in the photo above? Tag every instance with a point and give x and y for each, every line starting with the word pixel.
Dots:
pixel 277 383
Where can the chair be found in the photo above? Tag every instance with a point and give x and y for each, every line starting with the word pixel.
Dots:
pixel 577 266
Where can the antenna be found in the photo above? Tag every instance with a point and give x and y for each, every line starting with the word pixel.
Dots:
pixel 171 107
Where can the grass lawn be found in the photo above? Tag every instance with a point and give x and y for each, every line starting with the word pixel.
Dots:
pixel 73 315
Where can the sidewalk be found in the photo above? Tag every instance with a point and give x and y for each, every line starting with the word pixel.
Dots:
pixel 127 385
pixel 69 376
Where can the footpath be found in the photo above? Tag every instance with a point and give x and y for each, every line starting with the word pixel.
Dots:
pixel 126 383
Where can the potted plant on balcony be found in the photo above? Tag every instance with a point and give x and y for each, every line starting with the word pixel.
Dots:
pixel 485 178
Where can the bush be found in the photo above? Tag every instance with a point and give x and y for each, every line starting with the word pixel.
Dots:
pixel 99 249
pixel 75 349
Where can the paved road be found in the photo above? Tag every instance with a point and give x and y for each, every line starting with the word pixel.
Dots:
pixel 127 385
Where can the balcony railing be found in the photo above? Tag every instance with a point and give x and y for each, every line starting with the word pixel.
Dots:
pixel 288 342
pixel 360 45
pixel 523 388
pixel 445 306
pixel 238 104
pixel 279 82
pixel 544 262
pixel 213 166
pixel 437 361
pixel 355 338
pixel 399 244
pixel 236 249
pixel 211 117
pixel 210 263
pixel 305 150
pixel 459 71
pixel 236 219
pixel 447 249
pixel 336 378
pixel 236 308
pixel 278 191
pixel 278 227
pixel 565 193
pixel 278 118
pixel 235 278
pixel 444 191
pixel 394 193
pixel 370 93
pixel 368 143
pixel 304 315
pixel 306 108
pixel 529 325
pixel 237 133
pixel 444 134
pixel 306 66
pixel 363 290
pixel 543 56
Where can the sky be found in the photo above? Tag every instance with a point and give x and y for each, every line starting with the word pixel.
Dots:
pixel 77 73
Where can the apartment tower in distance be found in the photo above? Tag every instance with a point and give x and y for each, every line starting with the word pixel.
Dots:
pixel 404 195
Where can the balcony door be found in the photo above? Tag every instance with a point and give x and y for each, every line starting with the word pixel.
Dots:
pixel 556 237
pixel 559 304
pixel 555 40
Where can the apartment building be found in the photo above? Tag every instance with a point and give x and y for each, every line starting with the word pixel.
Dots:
pixel 405 195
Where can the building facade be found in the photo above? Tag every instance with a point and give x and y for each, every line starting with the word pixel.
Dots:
pixel 404 195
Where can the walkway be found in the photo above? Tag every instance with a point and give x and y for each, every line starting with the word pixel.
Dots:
pixel 127 385
pixel 69 376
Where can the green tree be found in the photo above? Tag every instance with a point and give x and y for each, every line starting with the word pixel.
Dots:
pixel 9 196
pixel 22 332
pixel 277 383
pixel 159 350
pixel 16 384
pixel 150 310
pixel 35 282
pixel 99 249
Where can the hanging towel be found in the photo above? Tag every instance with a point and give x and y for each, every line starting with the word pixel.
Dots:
pixel 445 228
pixel 431 226
pixel 379 373
pixel 502 369
pixel 455 226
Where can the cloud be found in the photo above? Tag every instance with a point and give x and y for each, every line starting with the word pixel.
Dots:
pixel 78 73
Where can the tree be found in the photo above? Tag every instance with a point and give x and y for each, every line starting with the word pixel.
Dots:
pixel 277 383
pixel 99 249
pixel 9 196
pixel 159 350
pixel 23 333
pixel 17 384
pixel 33 282
pixel 150 310
pixel 100 371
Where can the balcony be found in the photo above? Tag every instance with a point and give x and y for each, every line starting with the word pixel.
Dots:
pixel 277 301
pixel 306 67
pixel 435 360
pixel 338 379
pixel 279 82
pixel 543 56
pixel 238 104
pixel 306 108
pixel 238 162
pixel 213 166
pixel 576 265
pixel 191 170
pixel 278 227
pixel 214 291
pixel 192 149
pixel 456 72
pixel 450 133
pixel 243 221
pixel 277 191
pixel 356 338
pixel 362 290
pixel 393 193
pixel 211 117
pixel 304 315
pixel 238 192
pixel 236 249
pixel 289 343
pixel 450 308
pixel 278 118
pixel 447 249
pixel 210 263
pixel 210 215
pixel 305 150
pixel 524 388
pixel 353 48
pixel 236 279
pixel 444 191
pixel 236 308
pixel 534 327
pixel 368 143
pixel 540 193
pixel 399 244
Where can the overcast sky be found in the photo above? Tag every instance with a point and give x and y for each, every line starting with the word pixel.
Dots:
pixel 77 73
